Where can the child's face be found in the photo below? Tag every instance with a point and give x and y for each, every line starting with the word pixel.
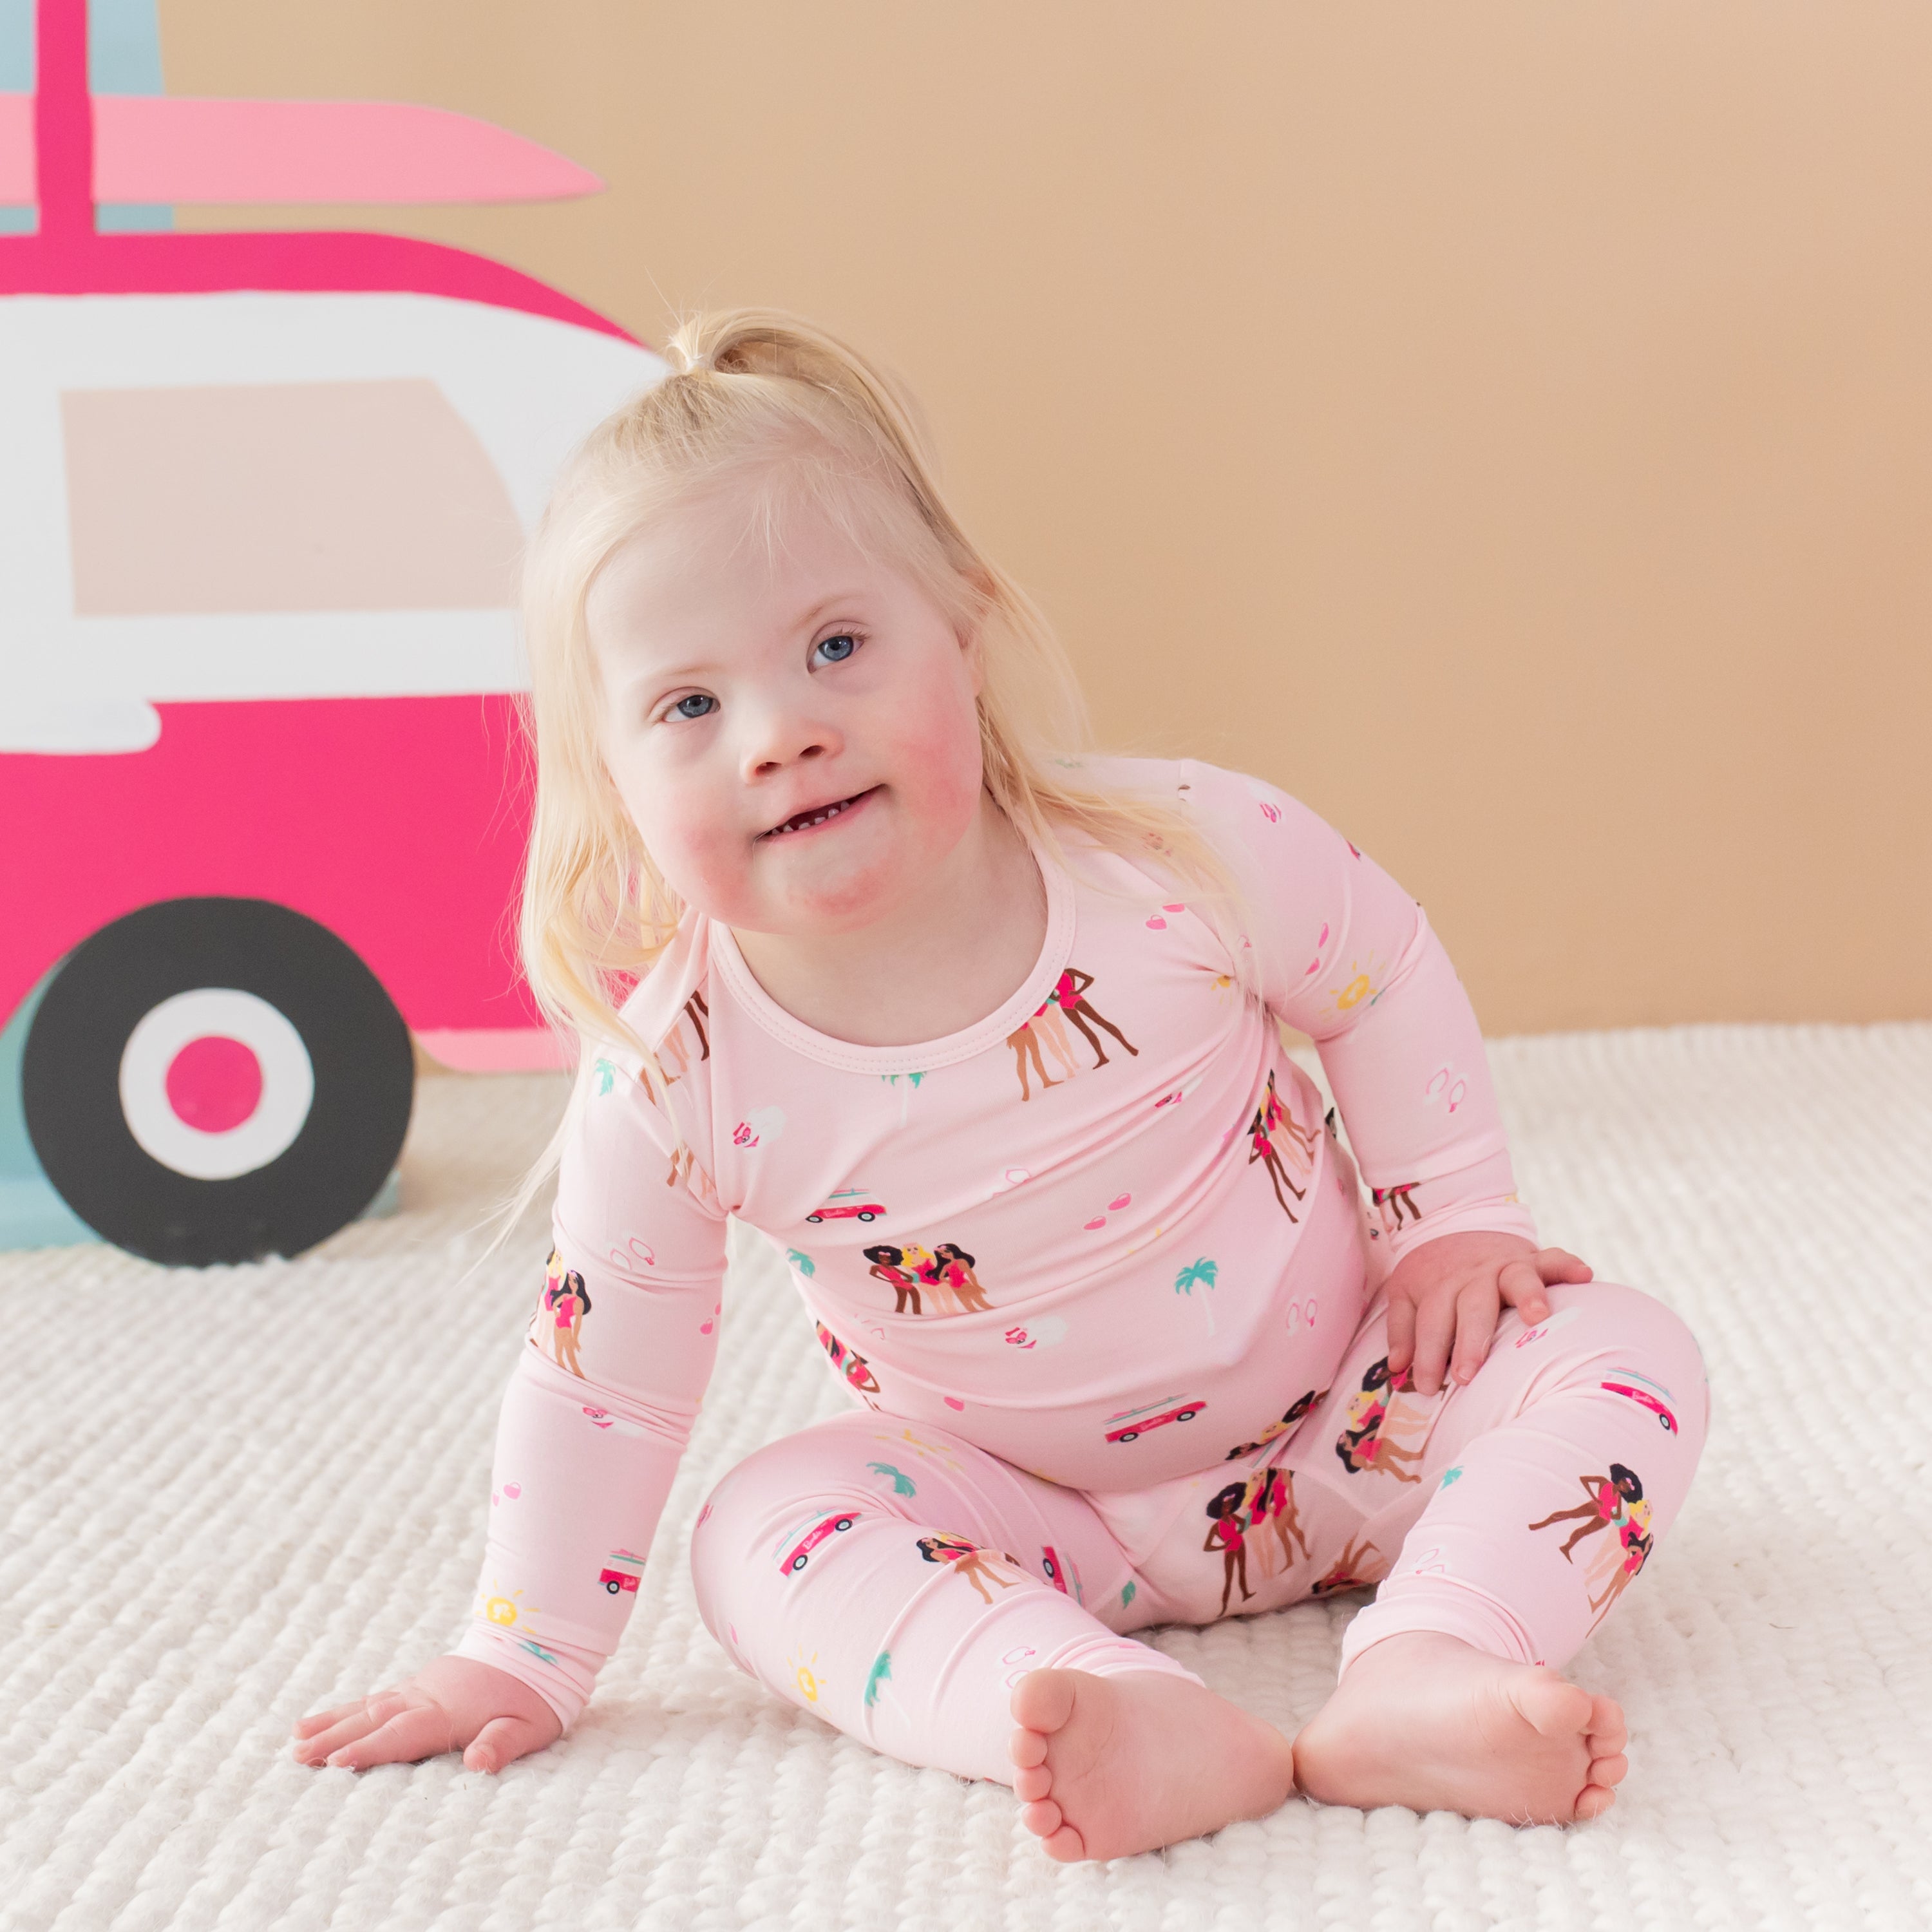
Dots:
pixel 744 689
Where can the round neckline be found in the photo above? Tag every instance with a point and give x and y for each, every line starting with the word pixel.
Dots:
pixel 920 1056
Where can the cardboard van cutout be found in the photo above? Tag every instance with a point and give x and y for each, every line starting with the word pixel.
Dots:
pixel 261 496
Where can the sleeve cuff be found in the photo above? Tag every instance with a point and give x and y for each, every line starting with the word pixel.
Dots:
pixel 557 1685
pixel 1504 1214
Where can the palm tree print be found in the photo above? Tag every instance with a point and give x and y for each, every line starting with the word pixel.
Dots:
pixel 1203 1271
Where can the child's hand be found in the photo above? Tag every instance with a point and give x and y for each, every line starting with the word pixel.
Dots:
pixel 1456 1286
pixel 453 1703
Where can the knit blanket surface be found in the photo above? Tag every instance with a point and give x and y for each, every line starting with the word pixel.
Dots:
pixel 233 1496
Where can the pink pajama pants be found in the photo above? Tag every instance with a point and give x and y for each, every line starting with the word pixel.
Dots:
pixel 899 1582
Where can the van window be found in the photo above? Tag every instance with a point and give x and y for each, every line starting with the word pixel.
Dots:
pixel 282 496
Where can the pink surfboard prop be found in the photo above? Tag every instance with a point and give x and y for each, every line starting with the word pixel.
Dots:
pixel 68 255
pixel 162 147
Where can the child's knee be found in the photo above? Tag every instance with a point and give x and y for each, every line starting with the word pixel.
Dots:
pixel 1636 1331
pixel 758 1499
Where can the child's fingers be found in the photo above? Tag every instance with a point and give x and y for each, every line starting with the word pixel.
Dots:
pixel 499 1742
pixel 318 1748
pixel 1518 1284
pixel 320 1721
pixel 420 1730
pixel 1560 1265
pixel 354 1722
pixel 1477 1308
pixel 1434 1331
pixel 1401 1333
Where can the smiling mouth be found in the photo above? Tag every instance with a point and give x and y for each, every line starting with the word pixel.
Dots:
pixel 804 821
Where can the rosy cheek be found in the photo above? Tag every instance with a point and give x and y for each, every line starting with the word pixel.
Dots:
pixel 679 824
pixel 939 765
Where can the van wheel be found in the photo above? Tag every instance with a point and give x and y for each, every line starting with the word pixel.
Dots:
pixel 215 1080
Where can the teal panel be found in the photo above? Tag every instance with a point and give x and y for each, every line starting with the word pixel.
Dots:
pixel 123 47
pixel 16 46
pixel 133 217
pixel 31 1214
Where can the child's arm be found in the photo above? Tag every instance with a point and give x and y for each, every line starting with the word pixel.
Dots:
pixel 589 1438
pixel 1349 958
pixel 589 1435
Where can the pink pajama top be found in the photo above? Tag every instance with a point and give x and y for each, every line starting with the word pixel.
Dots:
pixel 1165 1236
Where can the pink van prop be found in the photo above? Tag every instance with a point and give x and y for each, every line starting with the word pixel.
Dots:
pixel 262 806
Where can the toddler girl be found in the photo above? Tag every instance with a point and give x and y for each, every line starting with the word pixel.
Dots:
pixel 980 1034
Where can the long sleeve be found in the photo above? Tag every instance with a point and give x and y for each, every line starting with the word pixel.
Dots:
pixel 602 1402
pixel 1350 959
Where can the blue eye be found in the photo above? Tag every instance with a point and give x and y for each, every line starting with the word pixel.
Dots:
pixel 837 649
pixel 682 708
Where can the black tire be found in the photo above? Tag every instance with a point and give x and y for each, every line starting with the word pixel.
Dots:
pixel 359 1049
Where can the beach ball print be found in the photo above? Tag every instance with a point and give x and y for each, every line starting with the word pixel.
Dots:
pixel 1043 1331
pixel 759 1128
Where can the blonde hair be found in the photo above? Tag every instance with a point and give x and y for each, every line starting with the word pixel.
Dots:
pixel 760 398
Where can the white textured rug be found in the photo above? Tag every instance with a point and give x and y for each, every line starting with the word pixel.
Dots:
pixel 228 1497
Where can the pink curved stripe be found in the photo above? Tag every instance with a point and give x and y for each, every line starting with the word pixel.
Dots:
pixel 68 256
pixel 17 150
pixel 77 262
pixel 162 148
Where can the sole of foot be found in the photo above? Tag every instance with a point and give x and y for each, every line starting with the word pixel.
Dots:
pixel 1108 1766
pixel 1430 1723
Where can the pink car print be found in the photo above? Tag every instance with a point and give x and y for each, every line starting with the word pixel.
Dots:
pixel 849 1204
pixel 1647 1400
pixel 1049 1561
pixel 795 1559
pixel 622 1580
pixel 1138 1421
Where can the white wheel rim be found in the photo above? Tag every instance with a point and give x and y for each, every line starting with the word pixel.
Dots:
pixel 288 1083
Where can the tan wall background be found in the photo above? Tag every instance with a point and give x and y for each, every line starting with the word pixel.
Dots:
pixel 1508 426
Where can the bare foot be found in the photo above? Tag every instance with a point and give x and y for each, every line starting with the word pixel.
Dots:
pixel 1428 1722
pixel 1110 1765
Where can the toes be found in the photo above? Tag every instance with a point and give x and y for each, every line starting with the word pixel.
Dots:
pixel 1553 1707
pixel 1042 1700
pixel 1035 1782
pixel 1066 1845
pixel 1594 1801
pixel 1026 1748
pixel 1609 1733
pixel 1042 1818
pixel 1608 1770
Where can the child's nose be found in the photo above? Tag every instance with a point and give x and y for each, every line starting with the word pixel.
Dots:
pixel 775 739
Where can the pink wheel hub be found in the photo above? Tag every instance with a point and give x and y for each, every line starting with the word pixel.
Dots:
pixel 214 1084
